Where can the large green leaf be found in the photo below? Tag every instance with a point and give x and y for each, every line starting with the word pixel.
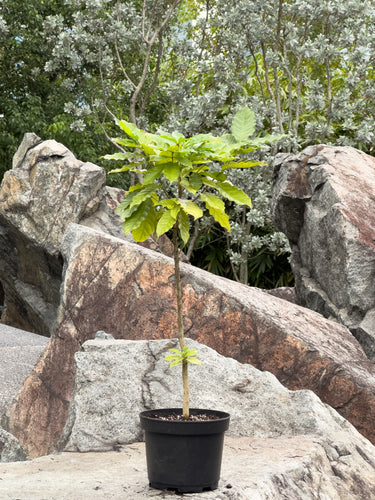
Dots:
pixel 216 209
pixel 152 174
pixel 195 180
pixel 142 232
pixel 143 194
pixel 166 222
pixel 232 193
pixel 125 168
pixel 129 143
pixel 229 139
pixel 172 171
pixel 123 156
pixel 243 164
pixel 191 208
pixel 129 128
pixel 143 216
pixel 243 124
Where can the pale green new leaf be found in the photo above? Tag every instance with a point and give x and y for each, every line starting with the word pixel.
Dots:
pixel 229 139
pixel 175 363
pixel 243 124
pixel 194 361
pixel 216 208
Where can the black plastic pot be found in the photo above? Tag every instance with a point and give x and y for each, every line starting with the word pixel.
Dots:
pixel 184 455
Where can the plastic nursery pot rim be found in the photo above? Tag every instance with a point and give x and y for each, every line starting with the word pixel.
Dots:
pixel 150 423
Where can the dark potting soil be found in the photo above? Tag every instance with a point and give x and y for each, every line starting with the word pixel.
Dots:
pixel 173 417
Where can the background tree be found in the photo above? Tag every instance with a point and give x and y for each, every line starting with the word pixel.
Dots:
pixel 305 69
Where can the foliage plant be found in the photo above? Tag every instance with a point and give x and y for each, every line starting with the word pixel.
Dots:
pixel 180 179
pixel 305 68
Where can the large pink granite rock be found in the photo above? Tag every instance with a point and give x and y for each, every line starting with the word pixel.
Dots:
pixel 128 291
pixel 324 201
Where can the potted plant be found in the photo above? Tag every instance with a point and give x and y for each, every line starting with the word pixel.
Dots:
pixel 179 178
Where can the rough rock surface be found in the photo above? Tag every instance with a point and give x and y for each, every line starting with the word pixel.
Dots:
pixel 10 448
pixel 324 201
pixel 298 468
pixel 46 189
pixel 19 352
pixel 128 291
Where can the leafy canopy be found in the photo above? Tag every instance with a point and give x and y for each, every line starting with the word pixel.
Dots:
pixel 179 178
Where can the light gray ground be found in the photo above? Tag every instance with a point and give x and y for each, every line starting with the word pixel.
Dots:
pixel 250 467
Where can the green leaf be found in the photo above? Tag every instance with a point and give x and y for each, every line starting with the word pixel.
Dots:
pixel 183 226
pixel 232 193
pixel 175 350
pixel 175 363
pixel 129 128
pixel 187 355
pixel 243 164
pixel 129 143
pixel 194 361
pixel 139 136
pixel 142 232
pixel 166 222
pixel 143 194
pixel 170 203
pixel 142 222
pixel 229 139
pixel 186 184
pixel 171 171
pixel 152 174
pixel 125 168
pixel 195 180
pixel 243 124
pixel 191 208
pixel 216 209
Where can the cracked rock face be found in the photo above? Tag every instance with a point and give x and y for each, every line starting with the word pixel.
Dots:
pixel 128 291
pixel 324 201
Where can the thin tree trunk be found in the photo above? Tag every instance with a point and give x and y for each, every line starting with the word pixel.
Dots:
pixel 180 325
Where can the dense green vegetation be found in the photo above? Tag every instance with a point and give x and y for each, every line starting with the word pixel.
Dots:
pixel 306 69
